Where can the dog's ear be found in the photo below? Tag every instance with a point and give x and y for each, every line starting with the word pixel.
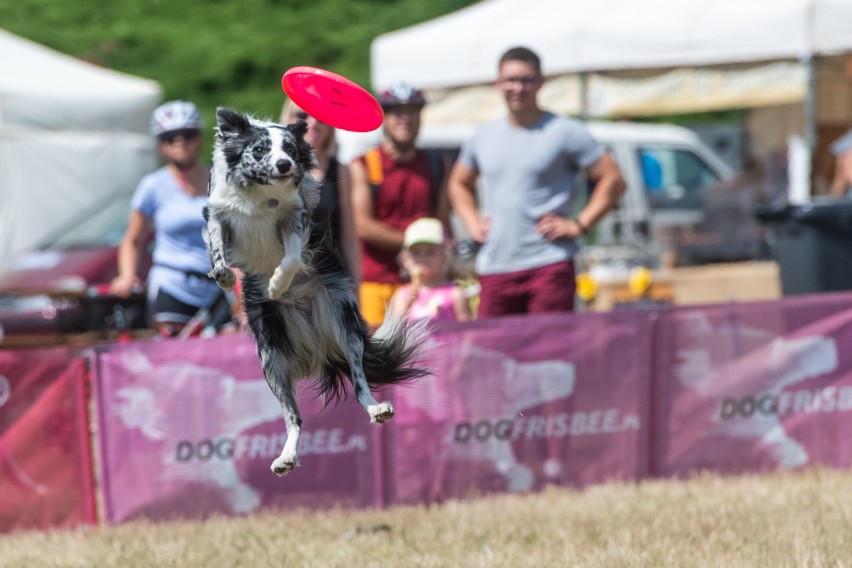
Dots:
pixel 229 121
pixel 298 128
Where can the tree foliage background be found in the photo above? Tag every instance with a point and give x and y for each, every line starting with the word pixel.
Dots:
pixel 219 52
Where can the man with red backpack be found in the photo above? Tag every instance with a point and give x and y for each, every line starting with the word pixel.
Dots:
pixel 393 185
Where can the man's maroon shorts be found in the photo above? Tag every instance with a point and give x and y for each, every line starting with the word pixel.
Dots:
pixel 537 290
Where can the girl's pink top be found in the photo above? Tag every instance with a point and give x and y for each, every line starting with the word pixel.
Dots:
pixel 432 303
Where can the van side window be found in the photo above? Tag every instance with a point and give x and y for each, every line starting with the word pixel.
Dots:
pixel 674 178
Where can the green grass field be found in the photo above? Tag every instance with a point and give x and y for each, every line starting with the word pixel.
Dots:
pixel 779 520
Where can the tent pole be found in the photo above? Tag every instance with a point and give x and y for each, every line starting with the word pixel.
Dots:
pixel 584 96
pixel 810 116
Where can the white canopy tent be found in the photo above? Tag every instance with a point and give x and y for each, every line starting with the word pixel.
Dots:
pixel 71 133
pixel 619 58
pixel 573 36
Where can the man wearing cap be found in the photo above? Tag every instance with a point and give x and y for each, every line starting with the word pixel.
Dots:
pixel 841 183
pixel 393 185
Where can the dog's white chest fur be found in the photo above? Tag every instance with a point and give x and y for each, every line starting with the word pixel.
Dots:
pixel 256 217
pixel 259 247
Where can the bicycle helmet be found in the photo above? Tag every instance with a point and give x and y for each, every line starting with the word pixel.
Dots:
pixel 401 94
pixel 175 115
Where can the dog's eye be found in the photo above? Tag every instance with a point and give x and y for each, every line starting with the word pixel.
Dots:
pixel 291 149
pixel 258 152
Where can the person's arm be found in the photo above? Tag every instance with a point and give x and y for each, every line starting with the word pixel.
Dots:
pixel 460 305
pixel 842 178
pixel 461 190
pixel 349 244
pixel 443 207
pixel 399 303
pixel 367 227
pixel 129 252
pixel 609 187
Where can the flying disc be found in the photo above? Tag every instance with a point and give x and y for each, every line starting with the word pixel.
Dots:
pixel 333 99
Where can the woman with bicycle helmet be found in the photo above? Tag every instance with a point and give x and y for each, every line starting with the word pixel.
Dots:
pixel 170 200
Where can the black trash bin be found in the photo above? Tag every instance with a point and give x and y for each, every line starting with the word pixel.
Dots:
pixel 812 244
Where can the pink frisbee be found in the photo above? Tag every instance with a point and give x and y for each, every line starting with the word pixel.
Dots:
pixel 332 99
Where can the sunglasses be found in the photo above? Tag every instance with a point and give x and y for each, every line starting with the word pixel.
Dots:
pixel 522 82
pixel 397 110
pixel 185 133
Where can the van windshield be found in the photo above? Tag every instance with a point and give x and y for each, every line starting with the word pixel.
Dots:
pixel 674 178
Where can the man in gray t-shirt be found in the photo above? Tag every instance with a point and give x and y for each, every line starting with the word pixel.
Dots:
pixel 528 161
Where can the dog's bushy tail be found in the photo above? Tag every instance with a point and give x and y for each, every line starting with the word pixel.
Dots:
pixel 391 354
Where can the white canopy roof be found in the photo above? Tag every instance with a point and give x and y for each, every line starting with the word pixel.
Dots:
pixel 571 36
pixel 71 133
pixel 45 88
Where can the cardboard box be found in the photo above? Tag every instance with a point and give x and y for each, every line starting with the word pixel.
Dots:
pixel 709 284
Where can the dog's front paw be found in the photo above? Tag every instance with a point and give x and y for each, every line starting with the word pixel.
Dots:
pixel 280 282
pixel 381 412
pixel 284 465
pixel 224 277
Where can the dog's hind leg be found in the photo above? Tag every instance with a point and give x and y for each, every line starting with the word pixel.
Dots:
pixel 285 391
pixel 290 264
pixel 289 457
pixel 354 352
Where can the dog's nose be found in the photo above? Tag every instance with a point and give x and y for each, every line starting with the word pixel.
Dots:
pixel 283 166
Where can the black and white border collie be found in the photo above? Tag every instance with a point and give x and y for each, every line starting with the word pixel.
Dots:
pixel 299 301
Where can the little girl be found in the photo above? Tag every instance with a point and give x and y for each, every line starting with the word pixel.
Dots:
pixel 431 293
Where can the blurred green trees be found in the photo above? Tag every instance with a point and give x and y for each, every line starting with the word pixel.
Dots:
pixel 219 52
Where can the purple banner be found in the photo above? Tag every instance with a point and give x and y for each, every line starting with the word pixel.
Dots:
pixel 517 403
pixel 754 387
pixel 189 428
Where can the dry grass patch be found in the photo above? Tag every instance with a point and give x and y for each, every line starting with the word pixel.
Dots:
pixel 784 519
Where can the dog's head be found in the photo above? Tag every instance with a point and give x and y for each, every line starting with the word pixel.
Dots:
pixel 261 153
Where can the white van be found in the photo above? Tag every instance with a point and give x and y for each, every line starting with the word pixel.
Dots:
pixel 666 167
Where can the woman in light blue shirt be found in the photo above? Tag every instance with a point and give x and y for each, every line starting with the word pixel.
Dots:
pixel 171 200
